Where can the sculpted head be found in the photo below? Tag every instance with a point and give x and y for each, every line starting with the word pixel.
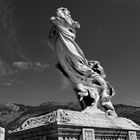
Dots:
pixel 63 15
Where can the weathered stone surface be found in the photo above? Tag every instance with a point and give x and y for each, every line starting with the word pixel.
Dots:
pixel 98 120
pixel 75 118
pixel 37 121
pixel 2 133
pixel 87 77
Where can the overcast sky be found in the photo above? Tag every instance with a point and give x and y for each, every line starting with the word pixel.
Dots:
pixel 109 33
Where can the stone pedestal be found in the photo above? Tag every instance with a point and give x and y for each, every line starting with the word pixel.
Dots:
pixel 2 133
pixel 73 125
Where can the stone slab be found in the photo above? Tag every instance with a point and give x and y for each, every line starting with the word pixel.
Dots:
pixel 75 118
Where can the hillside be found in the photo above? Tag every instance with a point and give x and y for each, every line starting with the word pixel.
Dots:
pixel 13 115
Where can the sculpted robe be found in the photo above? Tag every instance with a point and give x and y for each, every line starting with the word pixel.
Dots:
pixel 86 77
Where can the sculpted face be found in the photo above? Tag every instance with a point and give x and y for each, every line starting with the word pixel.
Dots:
pixel 64 16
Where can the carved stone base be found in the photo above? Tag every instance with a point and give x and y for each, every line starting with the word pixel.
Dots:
pixel 2 133
pixel 73 125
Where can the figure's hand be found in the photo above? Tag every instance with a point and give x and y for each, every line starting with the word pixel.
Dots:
pixel 82 91
pixel 82 94
pixel 81 88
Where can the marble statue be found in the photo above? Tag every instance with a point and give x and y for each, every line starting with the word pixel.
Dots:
pixel 87 77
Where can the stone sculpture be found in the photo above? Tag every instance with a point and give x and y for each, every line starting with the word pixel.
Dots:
pixel 87 77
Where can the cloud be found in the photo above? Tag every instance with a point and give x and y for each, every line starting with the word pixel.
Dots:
pixel 28 65
pixel 134 101
pixel 10 47
pixel 10 82
pixel 8 71
pixel 12 57
pixel 5 73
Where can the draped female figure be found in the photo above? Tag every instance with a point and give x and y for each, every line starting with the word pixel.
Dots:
pixel 86 77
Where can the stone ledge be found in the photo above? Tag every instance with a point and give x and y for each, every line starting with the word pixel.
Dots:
pixel 75 118
pixel 99 120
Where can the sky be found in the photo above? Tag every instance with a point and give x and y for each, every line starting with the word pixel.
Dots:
pixel 109 33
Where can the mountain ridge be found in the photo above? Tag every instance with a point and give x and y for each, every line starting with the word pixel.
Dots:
pixel 12 115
